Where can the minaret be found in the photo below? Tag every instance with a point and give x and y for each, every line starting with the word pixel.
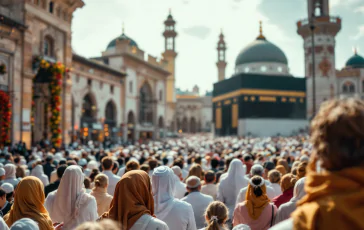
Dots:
pixel 319 31
pixel 221 57
pixel 170 55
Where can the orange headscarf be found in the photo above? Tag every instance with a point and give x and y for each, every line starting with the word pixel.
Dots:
pixel 28 203
pixel 334 200
pixel 254 204
pixel 132 199
pixel 281 169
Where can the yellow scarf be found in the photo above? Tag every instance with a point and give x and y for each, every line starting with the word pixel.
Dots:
pixel 254 204
pixel 334 200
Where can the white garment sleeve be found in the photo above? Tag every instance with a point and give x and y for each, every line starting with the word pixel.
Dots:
pixel 220 195
pixel 191 220
pixel 3 225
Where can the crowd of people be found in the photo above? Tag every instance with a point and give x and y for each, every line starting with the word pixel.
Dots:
pixel 196 182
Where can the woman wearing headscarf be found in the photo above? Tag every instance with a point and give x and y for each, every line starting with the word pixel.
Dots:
pixel 334 180
pixel 10 175
pixel 231 184
pixel 255 211
pixel 28 203
pixel 287 184
pixel 178 215
pixel 70 204
pixel 39 173
pixel 286 209
pixel 133 204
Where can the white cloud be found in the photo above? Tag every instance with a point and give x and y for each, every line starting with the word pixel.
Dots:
pixel 341 3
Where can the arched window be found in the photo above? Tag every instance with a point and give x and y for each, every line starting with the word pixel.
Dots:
pixel 146 104
pixel 48 46
pixel 348 87
pixel 110 114
pixel 51 6
pixel 88 107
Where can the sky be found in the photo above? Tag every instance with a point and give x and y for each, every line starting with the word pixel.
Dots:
pixel 199 23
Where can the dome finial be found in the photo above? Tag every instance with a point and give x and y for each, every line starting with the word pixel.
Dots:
pixel 123 28
pixel 261 36
pixel 355 50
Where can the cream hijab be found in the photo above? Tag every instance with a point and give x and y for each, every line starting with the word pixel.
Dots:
pixel 163 186
pixel 70 195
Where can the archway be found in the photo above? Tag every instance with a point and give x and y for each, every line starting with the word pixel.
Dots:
pixel 131 124
pixel 193 125
pixel 185 125
pixel 110 129
pixel 146 104
pixel 90 128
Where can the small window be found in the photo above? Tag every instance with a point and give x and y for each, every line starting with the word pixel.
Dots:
pixel 130 86
pixel 89 82
pixel 160 95
pixel 51 6
pixel 280 69
pixel 111 89
pixel 101 85
pixel 263 68
pixel 246 70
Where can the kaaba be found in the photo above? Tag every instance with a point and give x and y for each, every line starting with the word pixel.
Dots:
pixel 259 105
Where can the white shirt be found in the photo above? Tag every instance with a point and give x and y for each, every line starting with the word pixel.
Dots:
pixel 242 193
pixel 113 180
pixel 121 171
pixel 147 222
pixel 277 189
pixel 87 212
pixel 210 189
pixel 199 204
pixel 180 191
pixel 180 217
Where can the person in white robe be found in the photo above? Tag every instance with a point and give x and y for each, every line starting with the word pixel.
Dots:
pixel 38 172
pixel 286 209
pixel 10 175
pixel 198 200
pixel 178 215
pixel 230 185
pixel 107 165
pixel 3 225
pixel 91 166
pixel 25 224
pixel 70 204
pixel 256 170
pixel 180 190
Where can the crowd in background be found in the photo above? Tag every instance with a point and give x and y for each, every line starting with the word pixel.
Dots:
pixel 195 182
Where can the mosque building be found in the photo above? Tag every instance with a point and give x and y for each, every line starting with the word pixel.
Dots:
pixel 262 98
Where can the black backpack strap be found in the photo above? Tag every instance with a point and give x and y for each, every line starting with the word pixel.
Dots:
pixel 271 221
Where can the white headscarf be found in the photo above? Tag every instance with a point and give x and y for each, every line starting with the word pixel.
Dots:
pixel 25 224
pixel 163 185
pixel 235 176
pixel 37 171
pixel 70 195
pixel 299 191
pixel 10 171
pixel 92 165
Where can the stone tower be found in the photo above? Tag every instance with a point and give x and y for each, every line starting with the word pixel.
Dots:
pixel 170 55
pixel 318 32
pixel 221 57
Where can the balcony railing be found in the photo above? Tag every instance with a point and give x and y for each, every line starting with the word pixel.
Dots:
pixel 319 20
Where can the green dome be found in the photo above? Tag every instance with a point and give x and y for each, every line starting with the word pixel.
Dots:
pixel 261 50
pixel 355 61
pixel 122 37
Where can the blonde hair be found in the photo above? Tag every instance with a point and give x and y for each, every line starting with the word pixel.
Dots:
pixel 101 180
pixel 216 214
pixel 102 225
pixel 196 170
pixel 274 176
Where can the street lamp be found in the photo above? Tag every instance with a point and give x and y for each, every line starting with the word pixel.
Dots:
pixel 312 27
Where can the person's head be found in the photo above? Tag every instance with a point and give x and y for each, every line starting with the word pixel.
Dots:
pixel 195 170
pixel 227 164
pixel 301 170
pixel 152 164
pixel 2 198
pixel 20 172
pixel 247 158
pixel 268 165
pixel 115 167
pixel 257 184
pixel 214 163
pixel 60 170
pixel 87 183
pixel 25 224
pixel 274 176
pixel 337 135
pixel 178 172
pixel 283 163
pixel 210 177
pixel 178 162
pixel 105 224
pixel 257 170
pixel 93 174
pixel 107 163
pixel 145 168
pixel 288 181
pixel 299 190
pixel 163 186
pixel 216 215
pixel 49 159
pixel 2 174
pixel 193 184
pixel 218 175
pixel 281 169
pixel 101 181
pixel 131 165
pixel 9 189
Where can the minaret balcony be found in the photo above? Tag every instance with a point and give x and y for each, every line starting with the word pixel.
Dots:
pixel 323 24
